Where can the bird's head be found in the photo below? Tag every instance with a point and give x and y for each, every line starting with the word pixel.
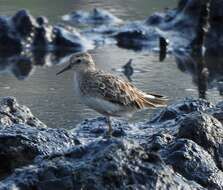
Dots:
pixel 79 62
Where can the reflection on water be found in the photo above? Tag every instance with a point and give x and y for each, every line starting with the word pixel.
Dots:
pixel 51 98
pixel 128 70
pixel 163 48
pixel 23 65
pixel 206 72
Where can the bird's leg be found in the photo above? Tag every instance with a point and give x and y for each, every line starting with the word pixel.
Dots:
pixel 109 126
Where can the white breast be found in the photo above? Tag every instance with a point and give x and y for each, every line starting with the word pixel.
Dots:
pixel 107 108
pixel 76 85
pixel 100 105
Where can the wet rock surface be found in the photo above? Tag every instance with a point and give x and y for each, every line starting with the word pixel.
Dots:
pixel 23 137
pixel 27 42
pixel 96 16
pixel 35 41
pixel 179 148
pixel 137 36
pixel 111 164
pixel 24 32
pixel 178 26
pixel 13 113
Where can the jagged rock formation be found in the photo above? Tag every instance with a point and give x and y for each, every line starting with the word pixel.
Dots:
pixel 23 32
pixel 96 16
pixel 180 147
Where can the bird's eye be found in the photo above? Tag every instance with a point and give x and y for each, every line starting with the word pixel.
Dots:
pixel 78 61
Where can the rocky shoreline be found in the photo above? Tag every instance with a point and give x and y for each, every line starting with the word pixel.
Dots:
pixel 24 32
pixel 179 148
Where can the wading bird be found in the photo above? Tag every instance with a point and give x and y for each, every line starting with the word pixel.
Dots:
pixel 109 95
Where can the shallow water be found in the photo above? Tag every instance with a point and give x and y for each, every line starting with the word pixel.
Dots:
pixel 51 98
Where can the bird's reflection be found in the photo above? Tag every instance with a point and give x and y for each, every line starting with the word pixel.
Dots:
pixel 22 65
pixel 128 70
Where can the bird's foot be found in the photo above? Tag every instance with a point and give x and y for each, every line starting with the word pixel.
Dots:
pixel 108 134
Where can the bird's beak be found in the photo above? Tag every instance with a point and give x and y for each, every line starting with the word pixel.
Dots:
pixel 65 69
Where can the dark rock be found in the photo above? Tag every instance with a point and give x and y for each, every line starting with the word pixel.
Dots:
pixel 24 23
pixel 68 40
pixel 206 131
pixel 9 40
pixel 43 34
pixel 4 25
pixel 104 164
pixel 178 25
pixel 17 31
pixel 180 17
pixel 172 24
pixel 13 113
pixel 220 105
pixel 21 141
pixel 40 40
pixel 192 162
pixel 155 19
pixel 189 7
pixel 43 37
pixel 20 144
pixel 182 150
pixel 216 28
pixel 136 36
pixel 22 32
pixel 195 147
pixel 181 108
pixel 101 35
pixel 96 16
pixel 185 18
pixel 91 129
pixel 42 20
pixel 218 112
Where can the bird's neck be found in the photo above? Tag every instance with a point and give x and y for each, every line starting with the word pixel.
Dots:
pixel 80 74
pixel 84 70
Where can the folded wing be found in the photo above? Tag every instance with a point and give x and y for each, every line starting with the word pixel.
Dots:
pixel 116 90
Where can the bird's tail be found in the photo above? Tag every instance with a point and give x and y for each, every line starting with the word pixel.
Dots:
pixel 155 100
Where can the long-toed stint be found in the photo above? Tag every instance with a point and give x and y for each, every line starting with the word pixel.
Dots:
pixel 109 95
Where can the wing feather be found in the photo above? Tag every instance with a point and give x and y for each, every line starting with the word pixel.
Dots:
pixel 113 89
